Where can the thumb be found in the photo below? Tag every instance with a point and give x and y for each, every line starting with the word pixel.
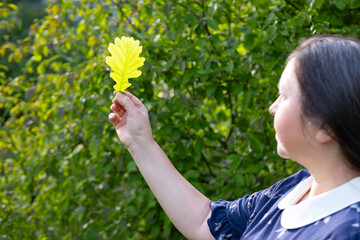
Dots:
pixel 126 102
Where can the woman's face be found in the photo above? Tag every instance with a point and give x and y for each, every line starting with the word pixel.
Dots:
pixel 292 140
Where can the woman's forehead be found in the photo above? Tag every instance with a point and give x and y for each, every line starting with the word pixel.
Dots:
pixel 288 76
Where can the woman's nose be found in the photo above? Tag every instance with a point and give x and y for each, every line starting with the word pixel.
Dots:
pixel 272 108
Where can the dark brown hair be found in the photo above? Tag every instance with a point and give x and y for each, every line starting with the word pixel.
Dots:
pixel 328 72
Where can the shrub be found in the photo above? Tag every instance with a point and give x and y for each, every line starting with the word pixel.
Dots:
pixel 210 75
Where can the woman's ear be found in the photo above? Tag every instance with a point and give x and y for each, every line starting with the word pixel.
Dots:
pixel 323 135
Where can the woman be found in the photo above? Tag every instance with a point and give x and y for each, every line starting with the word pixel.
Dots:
pixel 316 119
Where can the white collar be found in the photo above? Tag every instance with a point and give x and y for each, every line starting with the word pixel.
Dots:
pixel 318 207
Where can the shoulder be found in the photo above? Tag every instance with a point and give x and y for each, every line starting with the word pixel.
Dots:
pixel 233 216
pixel 285 185
pixel 294 179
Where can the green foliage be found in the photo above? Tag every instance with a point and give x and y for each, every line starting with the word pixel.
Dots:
pixel 211 73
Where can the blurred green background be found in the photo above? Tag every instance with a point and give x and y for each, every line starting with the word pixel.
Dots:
pixel 210 74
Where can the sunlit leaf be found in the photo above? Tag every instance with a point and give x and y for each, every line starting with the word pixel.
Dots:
pixel 124 61
pixel 13 6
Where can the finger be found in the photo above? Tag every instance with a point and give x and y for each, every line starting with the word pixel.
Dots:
pixel 126 102
pixel 114 92
pixel 134 99
pixel 117 108
pixel 118 111
pixel 114 119
pixel 116 103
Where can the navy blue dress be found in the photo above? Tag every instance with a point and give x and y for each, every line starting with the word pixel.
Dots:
pixel 273 213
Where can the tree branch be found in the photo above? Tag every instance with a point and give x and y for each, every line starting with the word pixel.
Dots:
pixel 203 158
pixel 293 5
pixel 127 19
pixel 232 117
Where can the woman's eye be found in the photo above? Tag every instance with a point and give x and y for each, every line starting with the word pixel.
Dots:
pixel 281 95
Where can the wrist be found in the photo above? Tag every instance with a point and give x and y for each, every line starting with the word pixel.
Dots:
pixel 141 146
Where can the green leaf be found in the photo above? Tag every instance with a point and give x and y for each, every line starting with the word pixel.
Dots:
pixel 212 23
pixel 340 4
pixel 271 30
pixel 354 4
pixel 215 40
pixel 192 174
pixel 316 4
pixel 255 145
pixel 210 90
pixel 252 21
pixel 131 166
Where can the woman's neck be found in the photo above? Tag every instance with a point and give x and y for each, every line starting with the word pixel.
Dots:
pixel 330 177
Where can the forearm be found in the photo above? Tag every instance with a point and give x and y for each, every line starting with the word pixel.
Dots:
pixel 186 207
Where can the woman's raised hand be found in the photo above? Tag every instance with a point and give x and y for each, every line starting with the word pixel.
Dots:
pixel 131 120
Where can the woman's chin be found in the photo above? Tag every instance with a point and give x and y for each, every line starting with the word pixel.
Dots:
pixel 281 152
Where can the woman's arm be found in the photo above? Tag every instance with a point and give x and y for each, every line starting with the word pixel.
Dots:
pixel 186 207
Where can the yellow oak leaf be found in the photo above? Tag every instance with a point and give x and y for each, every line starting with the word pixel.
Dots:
pixel 124 61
